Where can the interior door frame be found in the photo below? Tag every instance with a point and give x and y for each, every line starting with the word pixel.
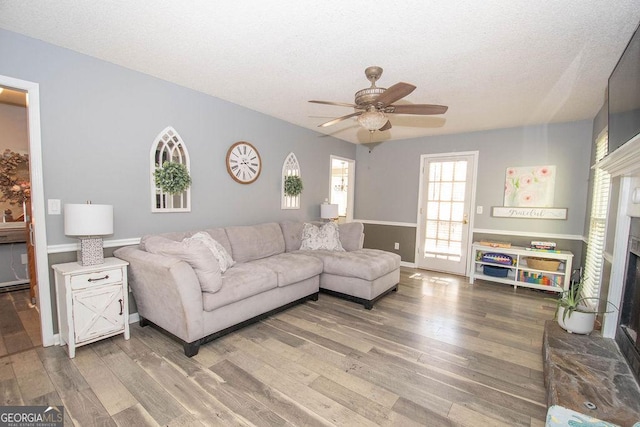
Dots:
pixel 419 229
pixel 44 301
pixel 351 173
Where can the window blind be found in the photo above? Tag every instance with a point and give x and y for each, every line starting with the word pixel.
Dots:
pixel 597 223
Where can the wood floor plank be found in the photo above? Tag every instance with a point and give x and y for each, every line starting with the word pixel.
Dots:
pixel 149 393
pixel 359 404
pixel 113 395
pixel 10 393
pixel 421 415
pixel 31 375
pixel 134 415
pixel 285 406
pixel 379 395
pixel 330 410
pixel 85 409
pixel 188 394
pixel 224 391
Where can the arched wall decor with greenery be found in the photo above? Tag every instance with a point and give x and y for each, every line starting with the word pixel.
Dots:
pixel 170 173
pixel 291 168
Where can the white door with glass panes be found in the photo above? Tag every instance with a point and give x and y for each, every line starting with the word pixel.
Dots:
pixel 444 214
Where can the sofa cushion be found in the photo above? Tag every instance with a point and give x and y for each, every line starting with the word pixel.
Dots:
pixel 253 242
pixel 326 237
pixel 292 233
pixel 291 268
pixel 367 264
pixel 195 253
pixel 219 252
pixel 242 281
pixel 351 235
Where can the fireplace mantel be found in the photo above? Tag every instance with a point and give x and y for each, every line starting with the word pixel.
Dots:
pixel 625 161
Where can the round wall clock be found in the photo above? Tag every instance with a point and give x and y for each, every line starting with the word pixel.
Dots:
pixel 243 162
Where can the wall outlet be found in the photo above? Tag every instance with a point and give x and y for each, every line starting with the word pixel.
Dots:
pixel 396 246
pixel 24 258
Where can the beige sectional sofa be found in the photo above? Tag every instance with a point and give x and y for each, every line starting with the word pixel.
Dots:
pixel 181 288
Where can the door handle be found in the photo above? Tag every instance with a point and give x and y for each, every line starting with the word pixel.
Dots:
pixel 32 236
pixel 465 219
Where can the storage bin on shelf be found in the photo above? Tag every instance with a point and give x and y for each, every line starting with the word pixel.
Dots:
pixel 543 263
pixel 494 271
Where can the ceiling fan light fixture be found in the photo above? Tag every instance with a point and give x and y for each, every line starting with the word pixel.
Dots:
pixel 372 120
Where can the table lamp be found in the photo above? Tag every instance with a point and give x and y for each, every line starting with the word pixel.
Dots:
pixel 328 211
pixel 89 223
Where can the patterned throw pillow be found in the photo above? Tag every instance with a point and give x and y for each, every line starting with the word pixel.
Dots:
pixel 218 251
pixel 326 237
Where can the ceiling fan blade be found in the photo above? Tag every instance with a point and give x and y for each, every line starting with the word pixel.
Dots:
pixel 425 109
pixel 386 126
pixel 394 93
pixel 340 104
pixel 339 119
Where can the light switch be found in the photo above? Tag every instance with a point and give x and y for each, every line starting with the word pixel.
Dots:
pixel 479 210
pixel 53 206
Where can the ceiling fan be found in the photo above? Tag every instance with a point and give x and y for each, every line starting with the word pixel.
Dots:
pixel 374 103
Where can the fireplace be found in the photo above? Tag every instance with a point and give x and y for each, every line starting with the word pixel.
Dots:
pixel 628 331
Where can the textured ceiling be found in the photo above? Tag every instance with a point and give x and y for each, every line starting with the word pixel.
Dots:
pixel 496 64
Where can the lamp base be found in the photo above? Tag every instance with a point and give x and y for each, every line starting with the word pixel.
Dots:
pixel 90 252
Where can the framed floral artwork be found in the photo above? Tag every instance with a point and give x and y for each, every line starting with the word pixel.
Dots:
pixel 530 186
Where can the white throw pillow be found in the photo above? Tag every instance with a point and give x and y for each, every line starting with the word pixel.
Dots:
pixel 218 251
pixel 316 238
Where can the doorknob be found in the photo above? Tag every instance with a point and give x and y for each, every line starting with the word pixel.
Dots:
pixel 465 219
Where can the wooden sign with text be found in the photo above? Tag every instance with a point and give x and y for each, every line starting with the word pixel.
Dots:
pixel 530 213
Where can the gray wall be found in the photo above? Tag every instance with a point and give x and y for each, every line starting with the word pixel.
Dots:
pixel 391 172
pixel 99 121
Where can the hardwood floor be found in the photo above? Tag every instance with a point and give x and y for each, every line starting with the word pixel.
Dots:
pixel 19 323
pixel 438 352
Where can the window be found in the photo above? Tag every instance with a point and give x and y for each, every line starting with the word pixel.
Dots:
pixel 598 223
pixel 169 147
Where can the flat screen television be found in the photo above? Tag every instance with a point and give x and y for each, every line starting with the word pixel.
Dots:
pixel 624 96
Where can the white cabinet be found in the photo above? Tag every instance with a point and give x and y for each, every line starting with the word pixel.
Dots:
pixel 92 302
pixel 551 271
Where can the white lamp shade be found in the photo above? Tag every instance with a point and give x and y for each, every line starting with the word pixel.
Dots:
pixel 328 211
pixel 88 220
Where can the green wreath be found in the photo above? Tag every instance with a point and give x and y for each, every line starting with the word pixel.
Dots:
pixel 172 177
pixel 292 185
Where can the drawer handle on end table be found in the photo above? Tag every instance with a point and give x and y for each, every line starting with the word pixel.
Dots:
pixel 99 278
pixel 121 306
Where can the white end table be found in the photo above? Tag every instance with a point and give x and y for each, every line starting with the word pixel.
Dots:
pixel 92 302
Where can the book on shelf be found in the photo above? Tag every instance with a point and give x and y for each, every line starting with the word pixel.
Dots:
pixel 544 250
pixel 535 244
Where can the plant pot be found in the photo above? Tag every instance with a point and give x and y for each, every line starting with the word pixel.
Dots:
pixel 578 322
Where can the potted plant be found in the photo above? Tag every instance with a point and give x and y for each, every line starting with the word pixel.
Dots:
pixel 292 185
pixel 172 177
pixel 574 312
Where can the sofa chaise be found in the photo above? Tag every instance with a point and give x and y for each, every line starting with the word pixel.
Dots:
pixel 198 292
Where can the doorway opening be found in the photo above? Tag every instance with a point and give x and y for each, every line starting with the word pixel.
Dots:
pixel 447 192
pixel 342 186
pixel 32 210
